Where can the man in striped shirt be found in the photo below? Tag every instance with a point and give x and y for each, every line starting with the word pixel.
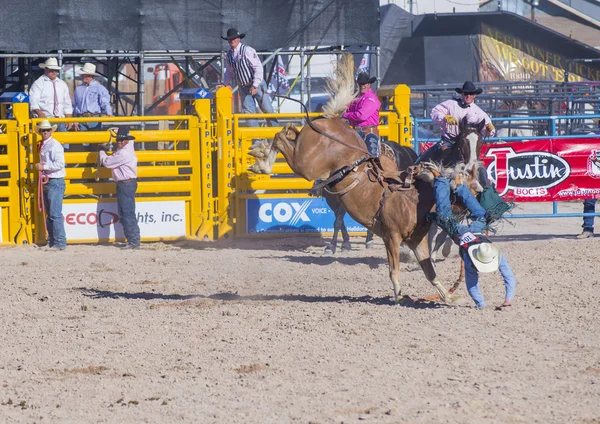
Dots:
pixel 242 62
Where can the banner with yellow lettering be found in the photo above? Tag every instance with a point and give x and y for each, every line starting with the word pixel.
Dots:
pixel 504 57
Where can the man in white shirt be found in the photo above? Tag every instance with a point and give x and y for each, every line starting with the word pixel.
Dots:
pixel 52 170
pixel 242 62
pixel 49 95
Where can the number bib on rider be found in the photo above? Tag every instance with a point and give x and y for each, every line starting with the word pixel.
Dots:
pixel 467 238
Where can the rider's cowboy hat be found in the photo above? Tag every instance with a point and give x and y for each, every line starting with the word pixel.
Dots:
pixel 233 33
pixel 44 125
pixel 50 63
pixel 88 69
pixel 469 88
pixel 485 257
pixel 123 134
pixel 363 78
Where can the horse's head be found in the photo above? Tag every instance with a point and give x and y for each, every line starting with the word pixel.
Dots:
pixel 468 144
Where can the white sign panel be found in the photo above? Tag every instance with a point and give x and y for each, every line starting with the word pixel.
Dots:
pixel 87 221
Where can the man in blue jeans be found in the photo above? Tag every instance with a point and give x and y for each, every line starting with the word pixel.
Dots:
pixel 589 206
pixel 123 165
pixel 475 249
pixel 52 170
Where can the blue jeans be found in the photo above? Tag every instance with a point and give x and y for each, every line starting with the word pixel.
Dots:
pixel 54 192
pixel 263 99
pixel 589 206
pixel 90 126
pixel 472 279
pixel 441 188
pixel 126 210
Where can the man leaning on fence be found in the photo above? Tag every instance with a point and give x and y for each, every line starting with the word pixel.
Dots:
pixel 49 95
pixel 91 99
pixel 123 164
pixel 242 62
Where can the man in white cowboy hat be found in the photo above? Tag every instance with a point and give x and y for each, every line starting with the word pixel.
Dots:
pixel 90 99
pixel 476 250
pixel 49 95
pixel 242 62
pixel 52 168
pixel 123 165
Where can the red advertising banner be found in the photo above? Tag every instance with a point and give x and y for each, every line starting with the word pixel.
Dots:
pixel 545 170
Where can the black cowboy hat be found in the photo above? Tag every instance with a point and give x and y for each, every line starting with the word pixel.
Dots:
pixel 123 133
pixel 363 78
pixel 233 33
pixel 469 88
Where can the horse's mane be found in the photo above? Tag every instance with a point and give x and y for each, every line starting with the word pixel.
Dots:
pixel 340 87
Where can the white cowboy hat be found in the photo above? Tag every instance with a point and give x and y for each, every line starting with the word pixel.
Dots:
pixel 50 63
pixel 45 125
pixel 485 257
pixel 88 69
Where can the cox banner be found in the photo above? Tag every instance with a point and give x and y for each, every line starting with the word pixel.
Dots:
pixel 89 221
pixel 545 170
pixel 289 215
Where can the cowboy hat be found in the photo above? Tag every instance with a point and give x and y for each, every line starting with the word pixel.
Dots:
pixel 45 125
pixel 87 69
pixel 469 88
pixel 123 133
pixel 363 78
pixel 233 33
pixel 50 63
pixel 485 257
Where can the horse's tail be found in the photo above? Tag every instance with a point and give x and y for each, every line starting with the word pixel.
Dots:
pixel 341 87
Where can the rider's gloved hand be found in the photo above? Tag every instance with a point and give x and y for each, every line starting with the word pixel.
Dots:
pixel 451 120
pixel 490 127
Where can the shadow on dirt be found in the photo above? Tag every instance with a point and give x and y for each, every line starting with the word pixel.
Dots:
pixel 407 302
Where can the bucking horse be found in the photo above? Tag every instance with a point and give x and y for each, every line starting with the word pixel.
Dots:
pixel 328 150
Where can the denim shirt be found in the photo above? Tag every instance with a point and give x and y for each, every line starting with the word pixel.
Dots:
pixel 93 98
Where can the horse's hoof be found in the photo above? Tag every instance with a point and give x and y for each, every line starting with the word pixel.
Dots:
pixel 346 247
pixel 370 244
pixel 405 300
pixel 329 251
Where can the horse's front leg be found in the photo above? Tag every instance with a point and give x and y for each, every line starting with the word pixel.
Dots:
pixel 369 243
pixel 392 246
pixel 421 251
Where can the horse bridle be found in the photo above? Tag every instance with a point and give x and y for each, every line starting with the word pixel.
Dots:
pixel 319 131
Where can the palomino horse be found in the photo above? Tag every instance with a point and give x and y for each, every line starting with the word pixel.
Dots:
pixel 404 157
pixel 330 151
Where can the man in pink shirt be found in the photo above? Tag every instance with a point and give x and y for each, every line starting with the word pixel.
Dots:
pixel 449 113
pixel 123 164
pixel 363 113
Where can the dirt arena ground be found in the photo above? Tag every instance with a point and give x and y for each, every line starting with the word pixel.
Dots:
pixel 272 332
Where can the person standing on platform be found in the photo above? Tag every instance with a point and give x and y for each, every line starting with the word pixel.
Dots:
pixel 49 95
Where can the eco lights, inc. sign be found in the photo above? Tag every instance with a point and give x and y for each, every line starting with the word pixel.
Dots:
pixel 94 221
pixel 287 215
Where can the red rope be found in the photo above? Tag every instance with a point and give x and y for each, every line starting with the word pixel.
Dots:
pixel 42 179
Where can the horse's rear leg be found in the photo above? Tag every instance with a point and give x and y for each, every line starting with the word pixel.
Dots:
pixel 421 252
pixel 342 225
pixel 392 247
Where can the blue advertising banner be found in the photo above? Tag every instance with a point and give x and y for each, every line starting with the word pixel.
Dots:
pixel 293 215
